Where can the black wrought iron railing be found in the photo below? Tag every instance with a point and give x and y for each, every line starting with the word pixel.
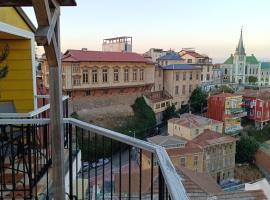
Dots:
pixel 99 163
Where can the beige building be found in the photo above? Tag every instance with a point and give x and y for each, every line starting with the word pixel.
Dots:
pixel 190 126
pixel 190 56
pixel 159 80
pixel 183 153
pixel 180 80
pixel 159 101
pixel 95 73
pixel 197 143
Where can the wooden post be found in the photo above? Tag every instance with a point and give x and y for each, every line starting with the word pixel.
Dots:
pixel 48 35
pixel 56 116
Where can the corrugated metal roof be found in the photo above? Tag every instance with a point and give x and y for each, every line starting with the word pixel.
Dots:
pixel 170 55
pixel 181 67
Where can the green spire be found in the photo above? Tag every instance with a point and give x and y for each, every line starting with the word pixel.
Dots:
pixel 240 48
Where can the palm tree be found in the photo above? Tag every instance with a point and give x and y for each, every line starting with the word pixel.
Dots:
pixel 3 64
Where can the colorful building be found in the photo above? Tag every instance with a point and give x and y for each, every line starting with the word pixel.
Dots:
pixel 257 105
pixel 227 107
pixel 18 88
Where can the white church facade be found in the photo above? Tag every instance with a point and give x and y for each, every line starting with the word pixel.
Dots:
pixel 239 67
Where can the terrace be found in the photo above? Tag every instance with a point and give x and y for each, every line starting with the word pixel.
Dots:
pixel 43 153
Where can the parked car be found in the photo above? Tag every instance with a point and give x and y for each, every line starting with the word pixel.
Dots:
pixel 100 162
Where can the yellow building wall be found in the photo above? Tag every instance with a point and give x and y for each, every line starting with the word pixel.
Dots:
pixel 10 16
pixel 17 86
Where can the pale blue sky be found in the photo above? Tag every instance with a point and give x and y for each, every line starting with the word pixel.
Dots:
pixel 211 26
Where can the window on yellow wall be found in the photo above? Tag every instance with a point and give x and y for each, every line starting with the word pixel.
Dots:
pixel 195 160
pixel 183 162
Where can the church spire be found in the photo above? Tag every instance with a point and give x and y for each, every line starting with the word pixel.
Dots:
pixel 240 48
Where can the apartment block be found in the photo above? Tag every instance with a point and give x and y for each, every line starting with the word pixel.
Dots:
pixel 257 106
pixel 227 107
pixel 190 56
pixel 197 143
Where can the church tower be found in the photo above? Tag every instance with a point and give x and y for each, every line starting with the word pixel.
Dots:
pixel 239 62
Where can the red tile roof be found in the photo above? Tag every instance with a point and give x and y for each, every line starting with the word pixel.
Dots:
pixel 209 137
pixel 262 95
pixel 102 56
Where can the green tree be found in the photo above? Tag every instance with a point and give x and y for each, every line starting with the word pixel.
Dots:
pixel 252 79
pixel 198 100
pixel 246 148
pixel 169 113
pixel 225 89
pixel 3 63
pixel 143 120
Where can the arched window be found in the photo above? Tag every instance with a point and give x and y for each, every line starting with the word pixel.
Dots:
pixel 126 74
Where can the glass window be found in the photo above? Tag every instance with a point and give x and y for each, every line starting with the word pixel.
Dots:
pixel 197 76
pixel 190 76
pixel 189 61
pixel 176 89
pixel 183 162
pixel 76 81
pixel 75 67
pixel 104 75
pixel 126 74
pixel 183 89
pixel 177 77
pixel 195 160
pixel 94 76
pixel 134 74
pixel 85 76
pixel 141 74
pixel 190 88
pixel 116 75
pixel 184 76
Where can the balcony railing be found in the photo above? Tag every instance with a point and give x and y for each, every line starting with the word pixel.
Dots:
pixel 99 163
pixel 42 112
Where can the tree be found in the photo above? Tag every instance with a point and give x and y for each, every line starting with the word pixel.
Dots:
pixel 141 123
pixel 3 63
pixel 198 100
pixel 246 148
pixel 252 79
pixel 225 89
pixel 169 113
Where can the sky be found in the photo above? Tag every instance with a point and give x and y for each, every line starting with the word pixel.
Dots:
pixel 211 27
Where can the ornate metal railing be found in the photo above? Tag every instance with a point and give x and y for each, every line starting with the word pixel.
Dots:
pixel 99 163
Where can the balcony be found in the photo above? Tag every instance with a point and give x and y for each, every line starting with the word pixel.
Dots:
pixel 99 163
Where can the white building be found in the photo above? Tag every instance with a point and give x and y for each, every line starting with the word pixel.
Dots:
pixel 117 44
pixel 154 54
pixel 239 67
